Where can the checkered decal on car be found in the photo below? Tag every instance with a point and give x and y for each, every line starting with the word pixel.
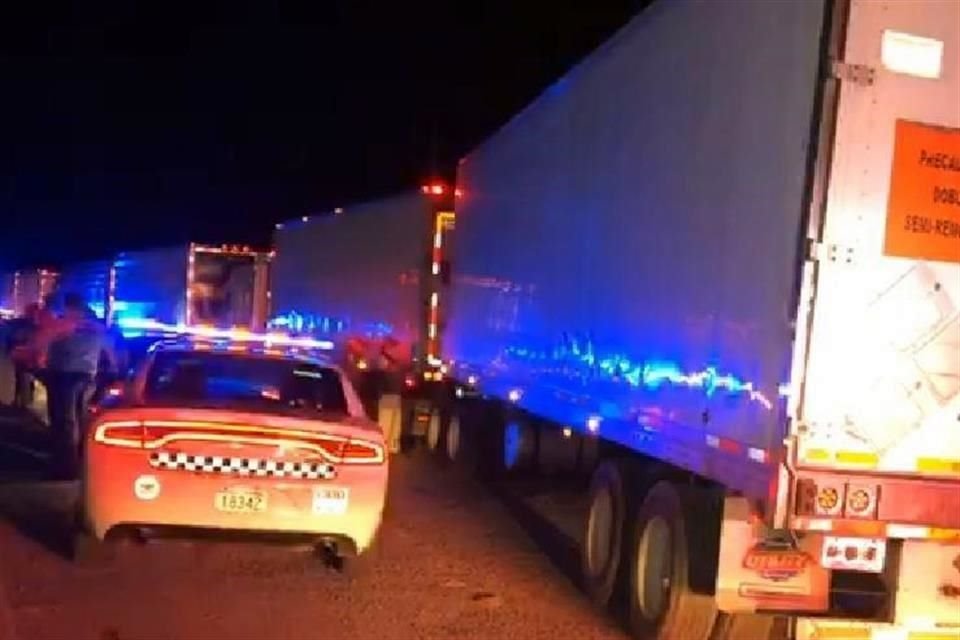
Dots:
pixel 260 467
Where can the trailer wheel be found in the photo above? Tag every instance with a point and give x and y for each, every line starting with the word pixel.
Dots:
pixel 435 432
pixel 453 440
pixel 603 535
pixel 661 603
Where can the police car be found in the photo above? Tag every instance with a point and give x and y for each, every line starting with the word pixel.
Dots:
pixel 233 438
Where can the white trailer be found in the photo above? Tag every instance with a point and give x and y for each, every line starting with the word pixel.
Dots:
pixel 20 289
pixel 362 276
pixel 225 286
pixel 718 265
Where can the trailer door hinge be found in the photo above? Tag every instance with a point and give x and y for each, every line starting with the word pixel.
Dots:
pixel 821 251
pixel 859 74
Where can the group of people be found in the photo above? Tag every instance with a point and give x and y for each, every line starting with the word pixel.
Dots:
pixel 70 352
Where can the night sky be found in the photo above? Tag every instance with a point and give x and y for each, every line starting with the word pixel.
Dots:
pixel 125 126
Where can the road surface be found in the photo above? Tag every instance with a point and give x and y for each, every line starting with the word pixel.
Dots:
pixel 452 563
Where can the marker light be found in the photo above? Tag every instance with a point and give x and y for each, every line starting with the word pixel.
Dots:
pixel 514 395
pixel 435 189
pixel 472 380
pixel 593 424
pixel 237 335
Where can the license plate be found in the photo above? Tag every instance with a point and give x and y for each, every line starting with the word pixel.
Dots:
pixel 331 500
pixel 241 501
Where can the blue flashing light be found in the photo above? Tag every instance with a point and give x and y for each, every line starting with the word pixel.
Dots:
pixel 320 325
pixel 146 325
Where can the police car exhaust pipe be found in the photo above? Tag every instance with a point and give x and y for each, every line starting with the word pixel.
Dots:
pixel 329 553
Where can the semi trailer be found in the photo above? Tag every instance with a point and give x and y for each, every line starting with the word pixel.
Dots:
pixel 366 278
pixel 717 268
pixel 220 286
pixel 91 281
pixel 20 289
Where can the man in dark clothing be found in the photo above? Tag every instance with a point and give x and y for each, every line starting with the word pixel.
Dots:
pixel 73 360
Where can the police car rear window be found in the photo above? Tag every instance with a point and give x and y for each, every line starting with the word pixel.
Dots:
pixel 243 382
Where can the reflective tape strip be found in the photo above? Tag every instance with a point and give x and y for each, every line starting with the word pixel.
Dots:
pixel 861 459
pixel 258 467
pixel 935 533
pixel 907 531
pixel 938 465
pixel 813 524
pixel 861 528
pixel 876 529
pixel 836 630
pixel 841 633
pixel 866 459
pixel 732 446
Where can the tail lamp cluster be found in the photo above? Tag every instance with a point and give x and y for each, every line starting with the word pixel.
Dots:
pixel 147 434
pixel 837 499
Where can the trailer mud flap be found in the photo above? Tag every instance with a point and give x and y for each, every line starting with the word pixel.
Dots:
pixel 759 573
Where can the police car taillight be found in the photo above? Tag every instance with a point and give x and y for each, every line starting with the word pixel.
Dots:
pixel 120 434
pixel 154 434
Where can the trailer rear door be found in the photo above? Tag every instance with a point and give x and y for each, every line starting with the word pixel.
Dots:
pixel 881 391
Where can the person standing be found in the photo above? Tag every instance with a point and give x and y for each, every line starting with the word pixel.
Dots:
pixel 23 357
pixel 73 361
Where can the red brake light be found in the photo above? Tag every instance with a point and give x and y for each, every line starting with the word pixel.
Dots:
pixel 154 434
pixel 359 452
pixel 345 451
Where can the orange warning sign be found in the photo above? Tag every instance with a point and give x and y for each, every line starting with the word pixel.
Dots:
pixel 923 212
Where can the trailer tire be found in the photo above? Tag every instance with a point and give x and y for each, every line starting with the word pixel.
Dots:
pixel 602 547
pixel 661 603
pixel 435 432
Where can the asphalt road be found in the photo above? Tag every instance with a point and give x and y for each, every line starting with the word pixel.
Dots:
pixel 452 562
